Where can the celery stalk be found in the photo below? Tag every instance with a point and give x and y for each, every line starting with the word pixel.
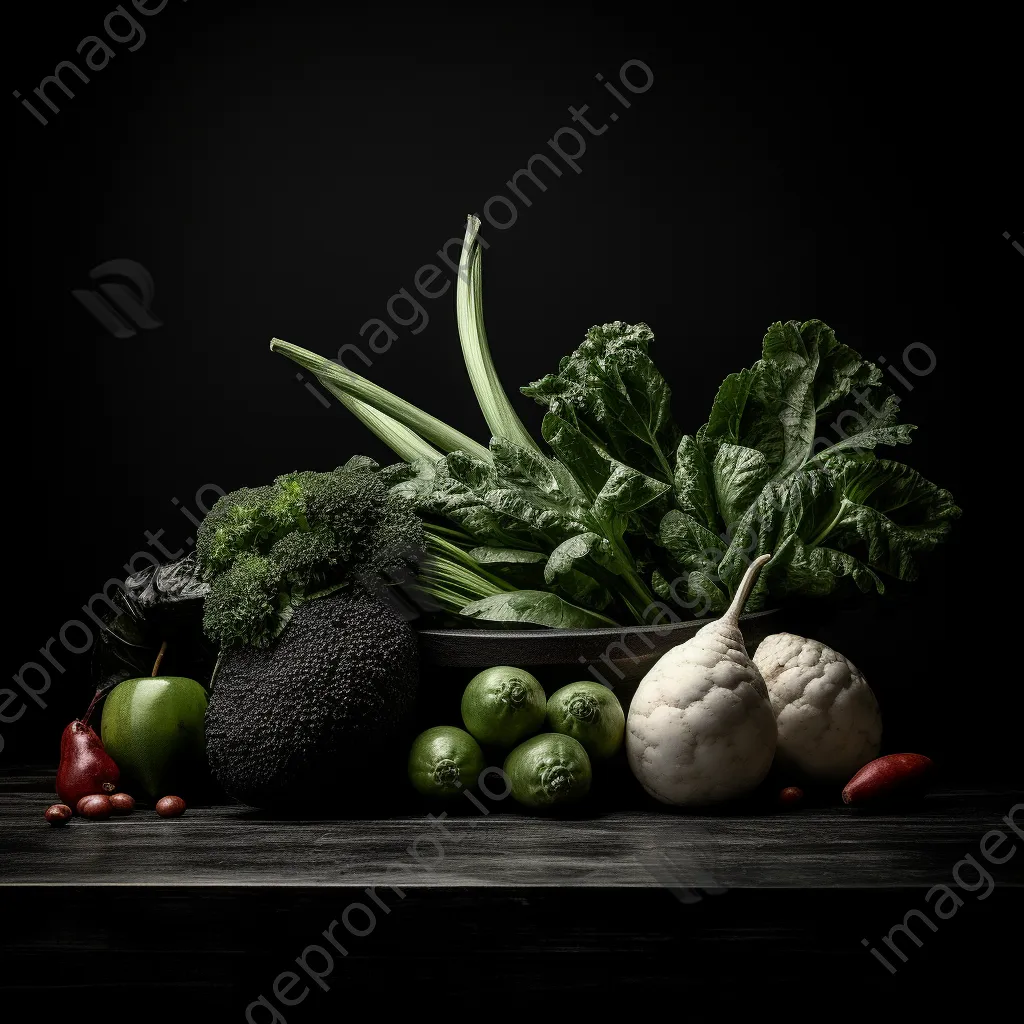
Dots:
pixel 405 443
pixel 501 418
pixel 454 554
pixel 427 427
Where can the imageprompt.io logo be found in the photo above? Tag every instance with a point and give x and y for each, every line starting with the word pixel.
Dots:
pixel 121 309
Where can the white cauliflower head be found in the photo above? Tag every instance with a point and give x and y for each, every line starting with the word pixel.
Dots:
pixel 828 719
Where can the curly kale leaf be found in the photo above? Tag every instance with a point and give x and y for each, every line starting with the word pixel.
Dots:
pixel 808 398
pixel 786 465
pixel 614 394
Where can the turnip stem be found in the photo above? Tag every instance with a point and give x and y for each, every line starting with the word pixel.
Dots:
pixel 732 615
pixel 456 536
pixel 456 555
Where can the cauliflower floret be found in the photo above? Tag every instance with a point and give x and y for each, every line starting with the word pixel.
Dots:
pixel 828 719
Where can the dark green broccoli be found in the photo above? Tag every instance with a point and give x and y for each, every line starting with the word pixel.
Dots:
pixel 266 550
pixel 311 554
pixel 238 522
pixel 247 603
pixel 306 718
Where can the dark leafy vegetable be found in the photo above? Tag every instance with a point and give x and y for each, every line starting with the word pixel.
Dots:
pixel 160 603
pixel 611 391
pixel 785 464
pixel 537 607
pixel 165 593
pixel 576 521
pixel 624 505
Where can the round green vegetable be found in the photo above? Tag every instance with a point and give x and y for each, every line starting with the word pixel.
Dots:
pixel 503 705
pixel 444 760
pixel 590 713
pixel 547 770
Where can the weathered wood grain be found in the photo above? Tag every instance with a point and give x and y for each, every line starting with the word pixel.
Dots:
pixel 816 848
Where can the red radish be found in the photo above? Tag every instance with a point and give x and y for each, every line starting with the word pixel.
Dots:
pixel 85 767
pixel 97 805
pixel 886 776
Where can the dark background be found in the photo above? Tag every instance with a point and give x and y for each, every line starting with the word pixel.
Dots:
pixel 285 170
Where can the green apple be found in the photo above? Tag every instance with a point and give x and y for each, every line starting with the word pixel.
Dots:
pixel 154 729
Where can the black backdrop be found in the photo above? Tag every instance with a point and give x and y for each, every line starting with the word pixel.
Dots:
pixel 285 170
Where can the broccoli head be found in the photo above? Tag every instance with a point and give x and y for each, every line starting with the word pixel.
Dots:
pixel 265 550
pixel 237 523
pixel 247 603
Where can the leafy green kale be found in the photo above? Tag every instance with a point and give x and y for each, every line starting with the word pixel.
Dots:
pixel 611 392
pixel 568 518
pixel 265 550
pixel 785 464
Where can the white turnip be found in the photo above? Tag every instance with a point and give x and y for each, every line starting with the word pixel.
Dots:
pixel 700 727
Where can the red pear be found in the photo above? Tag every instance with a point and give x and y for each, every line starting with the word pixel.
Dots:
pixel 85 767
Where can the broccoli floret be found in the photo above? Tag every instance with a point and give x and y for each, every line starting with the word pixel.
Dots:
pixel 238 522
pixel 265 550
pixel 287 506
pixel 244 603
pixel 308 556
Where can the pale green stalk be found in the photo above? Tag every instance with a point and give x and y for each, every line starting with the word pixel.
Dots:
pixel 442 548
pixel 452 576
pixel 454 535
pixel 452 584
pixel 501 418
pixel 405 443
pixel 427 427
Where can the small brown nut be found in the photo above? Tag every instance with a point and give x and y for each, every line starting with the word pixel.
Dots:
pixel 791 796
pixel 95 806
pixel 58 814
pixel 122 803
pixel 170 806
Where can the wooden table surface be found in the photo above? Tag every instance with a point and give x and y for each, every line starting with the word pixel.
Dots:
pixel 196 917
pixel 810 848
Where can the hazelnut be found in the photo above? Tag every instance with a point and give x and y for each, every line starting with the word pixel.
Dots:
pixel 170 806
pixel 122 803
pixel 57 814
pixel 95 806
